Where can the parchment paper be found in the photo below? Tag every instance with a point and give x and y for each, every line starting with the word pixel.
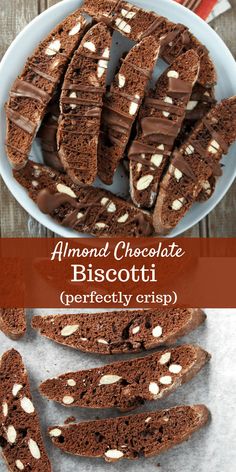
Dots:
pixel 213 449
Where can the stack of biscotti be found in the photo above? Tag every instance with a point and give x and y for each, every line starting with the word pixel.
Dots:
pixel 21 442
pixel 33 90
pixel 194 164
pixel 13 322
pixel 136 23
pixel 159 123
pixel 119 331
pixel 48 135
pixel 83 208
pixel 128 384
pixel 81 104
pixel 122 103
pixel 130 437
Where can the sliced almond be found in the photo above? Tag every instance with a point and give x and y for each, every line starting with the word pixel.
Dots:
pixel 61 188
pixel 16 388
pixel 123 26
pixel 27 405
pixel 128 14
pixel 68 400
pixel 55 433
pixel 165 358
pixel 69 330
pixel 113 454
pixel 75 30
pixel 109 379
pixel 90 46
pixel 166 380
pixel 175 368
pixel 157 332
pixel 144 182
pixel 123 218
pixel 11 434
pixel 34 449
pixel 53 48
pixel 173 74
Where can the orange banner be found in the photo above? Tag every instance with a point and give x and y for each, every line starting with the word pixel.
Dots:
pixel 112 273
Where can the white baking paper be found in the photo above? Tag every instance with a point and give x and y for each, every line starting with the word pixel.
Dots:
pixel 213 449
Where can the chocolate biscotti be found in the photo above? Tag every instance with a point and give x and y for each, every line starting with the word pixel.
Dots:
pixel 130 437
pixel 159 122
pixel 21 442
pixel 128 384
pixel 194 164
pixel 81 103
pixel 35 87
pixel 13 322
pixel 119 331
pixel 85 209
pixel 121 105
pixel 136 23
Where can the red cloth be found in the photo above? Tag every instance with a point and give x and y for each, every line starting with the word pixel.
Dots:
pixel 204 9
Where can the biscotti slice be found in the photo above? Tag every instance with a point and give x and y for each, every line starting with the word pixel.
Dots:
pixel 159 122
pixel 136 23
pixel 130 437
pixel 48 136
pixel 119 331
pixel 85 209
pixel 128 384
pixel 35 87
pixel 122 103
pixel 13 322
pixel 194 163
pixel 21 442
pixel 81 103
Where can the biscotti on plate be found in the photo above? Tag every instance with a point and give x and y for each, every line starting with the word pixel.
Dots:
pixel 130 437
pixel 21 442
pixel 119 331
pixel 35 87
pixel 135 23
pixel 13 322
pixel 81 104
pixel 159 123
pixel 128 384
pixel 193 164
pixel 121 105
pixel 82 208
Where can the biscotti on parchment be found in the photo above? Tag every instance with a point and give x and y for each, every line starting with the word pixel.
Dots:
pixel 128 384
pixel 130 437
pixel 122 103
pixel 159 123
pixel 193 165
pixel 13 322
pixel 136 23
pixel 119 332
pixel 21 442
pixel 81 104
pixel 82 208
pixel 35 87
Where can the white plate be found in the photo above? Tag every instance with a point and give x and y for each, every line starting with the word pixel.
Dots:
pixel 28 39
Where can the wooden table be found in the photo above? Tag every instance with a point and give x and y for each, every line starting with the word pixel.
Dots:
pixel 15 222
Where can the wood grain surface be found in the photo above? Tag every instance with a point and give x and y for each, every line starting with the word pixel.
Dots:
pixel 15 222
